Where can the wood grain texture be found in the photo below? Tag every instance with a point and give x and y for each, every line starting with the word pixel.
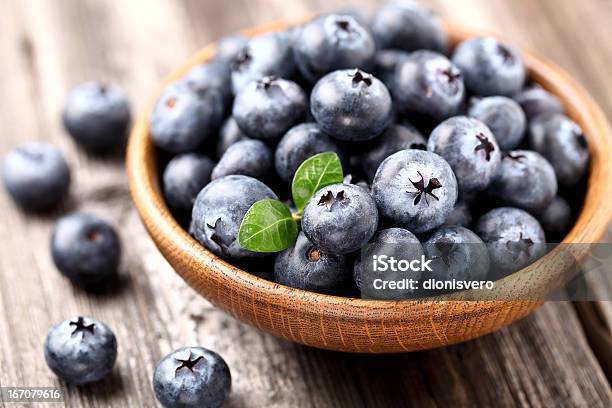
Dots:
pixel 47 47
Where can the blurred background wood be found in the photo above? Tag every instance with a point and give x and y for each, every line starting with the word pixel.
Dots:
pixel 48 47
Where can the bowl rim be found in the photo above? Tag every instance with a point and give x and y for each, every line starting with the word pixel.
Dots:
pixel 168 235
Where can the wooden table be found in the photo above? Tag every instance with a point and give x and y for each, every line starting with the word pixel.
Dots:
pixel 46 47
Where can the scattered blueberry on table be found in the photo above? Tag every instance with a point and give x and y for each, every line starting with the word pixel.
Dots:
pixel 85 249
pixel 97 116
pixel 192 377
pixel 81 350
pixel 36 175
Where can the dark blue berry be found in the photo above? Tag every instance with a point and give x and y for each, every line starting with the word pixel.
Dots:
pixel 266 108
pixel 81 350
pixel 331 42
pixel 514 239
pixel 351 105
pixel 229 134
pixel 409 26
pixel 427 83
pixel 392 242
pixel 561 141
pixel 556 219
pixel 298 144
pixel 340 218
pixel 524 179
pixel 229 47
pixel 36 175
pixel 185 116
pixel 535 101
pixel 268 54
pixel 504 117
pixel 97 116
pixel 247 157
pixel 392 140
pixel 184 177
pixel 304 266
pixel 192 377
pixel 214 75
pixel 471 150
pixel 456 253
pixel 490 67
pixel 219 209
pixel 415 189
pixel 460 215
pixel 385 64
pixel 86 249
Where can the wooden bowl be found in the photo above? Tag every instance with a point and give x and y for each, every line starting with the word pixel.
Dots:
pixel 373 326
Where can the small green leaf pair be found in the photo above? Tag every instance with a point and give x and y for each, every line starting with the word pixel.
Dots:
pixel 269 225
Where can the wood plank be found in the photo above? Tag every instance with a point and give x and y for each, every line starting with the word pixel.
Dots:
pixel 47 47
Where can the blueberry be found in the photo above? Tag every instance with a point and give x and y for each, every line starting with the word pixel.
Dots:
pixel 392 140
pixel 351 105
pixel 340 218
pixel 427 83
pixel 504 117
pixel 81 350
pixel 556 219
pixel 561 141
pixel 470 148
pixel 229 47
pixel 385 64
pixel 515 239
pixel 185 116
pixel 349 179
pixel 86 249
pixel 247 157
pixel 229 134
pixel 535 101
pixel 304 266
pixel 211 75
pixel 192 377
pixel 416 189
pixel 97 116
pixel 460 215
pixel 184 177
pixel 36 175
pixel 331 42
pixel 264 55
pixel 392 242
pixel 409 26
pixel 457 253
pixel 524 179
pixel 298 144
pixel 218 211
pixel 267 108
pixel 490 67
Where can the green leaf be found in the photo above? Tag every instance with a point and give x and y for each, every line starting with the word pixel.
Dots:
pixel 319 171
pixel 268 226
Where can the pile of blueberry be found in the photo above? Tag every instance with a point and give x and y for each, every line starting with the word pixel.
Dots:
pixel 436 146
pixel 292 151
